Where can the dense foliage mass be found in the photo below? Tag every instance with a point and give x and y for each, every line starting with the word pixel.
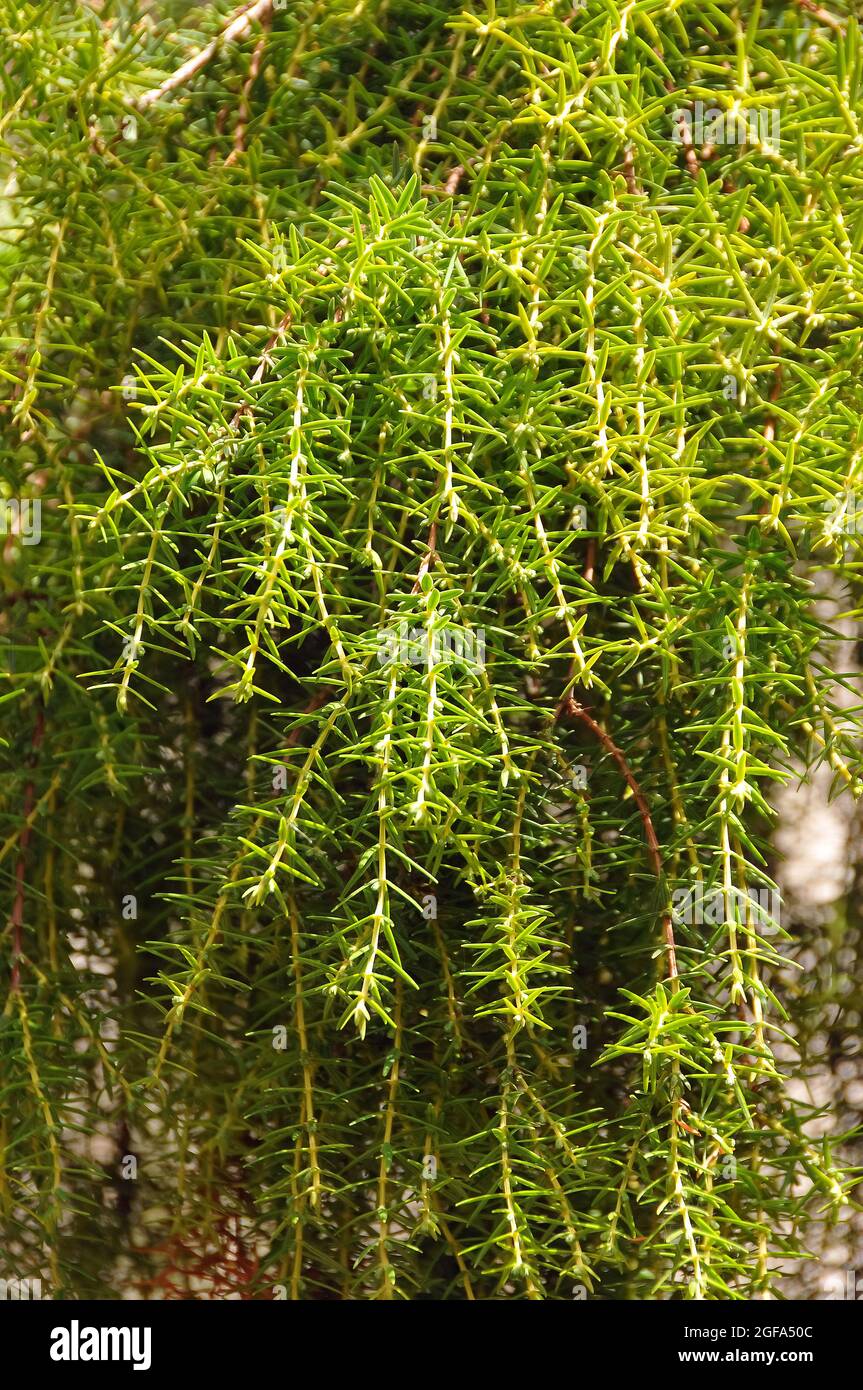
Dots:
pixel 430 450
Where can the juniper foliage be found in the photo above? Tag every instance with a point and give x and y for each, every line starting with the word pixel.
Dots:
pixel 438 448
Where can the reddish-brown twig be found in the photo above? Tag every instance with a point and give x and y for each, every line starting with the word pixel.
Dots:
pixel 590 560
pixel 683 129
pixel 245 103
pixel 319 697
pixel 23 842
pixel 453 180
pixel 629 170
pixel 428 559
pixel 571 708
pixel 236 28
pixel 775 393
pixel 263 366
pixel 825 17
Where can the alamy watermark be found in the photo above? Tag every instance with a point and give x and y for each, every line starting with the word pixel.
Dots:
pixel 20 1290
pixel 77 1343
pixel 22 517
pixel 695 905
pixel 711 125
pixel 844 514
pixel 843 1286
pixel 416 646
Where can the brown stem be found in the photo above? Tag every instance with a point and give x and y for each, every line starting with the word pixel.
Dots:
pixel 775 393
pixel 263 366
pixel 23 842
pixel 428 559
pixel 692 163
pixel 236 28
pixel 629 171
pixel 590 560
pixel 830 20
pixel 454 179
pixel 245 104
pixel 319 697
pixel 572 709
